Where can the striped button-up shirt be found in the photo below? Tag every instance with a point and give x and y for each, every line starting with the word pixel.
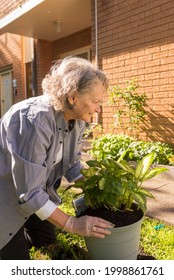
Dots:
pixel 36 148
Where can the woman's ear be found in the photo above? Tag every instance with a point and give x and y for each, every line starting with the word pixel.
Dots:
pixel 72 98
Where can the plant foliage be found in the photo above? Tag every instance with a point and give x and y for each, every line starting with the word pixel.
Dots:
pixel 129 106
pixel 116 184
pixel 112 146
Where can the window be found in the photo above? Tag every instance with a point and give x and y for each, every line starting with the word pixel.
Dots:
pixel 82 52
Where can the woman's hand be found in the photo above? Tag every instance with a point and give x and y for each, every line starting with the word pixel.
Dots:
pixel 88 226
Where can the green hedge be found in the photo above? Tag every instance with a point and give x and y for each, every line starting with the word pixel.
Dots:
pixel 112 146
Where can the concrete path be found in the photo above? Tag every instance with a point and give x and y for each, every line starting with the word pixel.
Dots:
pixel 162 187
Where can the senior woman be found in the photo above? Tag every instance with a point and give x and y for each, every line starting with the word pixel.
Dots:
pixel 40 141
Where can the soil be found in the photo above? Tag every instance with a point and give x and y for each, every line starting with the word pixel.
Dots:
pixel 119 218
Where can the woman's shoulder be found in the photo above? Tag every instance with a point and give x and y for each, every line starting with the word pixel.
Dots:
pixel 35 110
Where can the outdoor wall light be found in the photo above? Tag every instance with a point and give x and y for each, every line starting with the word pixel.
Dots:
pixel 14 83
pixel 58 25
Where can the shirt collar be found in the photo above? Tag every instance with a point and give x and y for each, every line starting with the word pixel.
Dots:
pixel 62 124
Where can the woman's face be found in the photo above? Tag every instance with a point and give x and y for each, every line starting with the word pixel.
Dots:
pixel 88 103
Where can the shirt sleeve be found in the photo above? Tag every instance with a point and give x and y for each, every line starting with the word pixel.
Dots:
pixel 28 140
pixel 73 173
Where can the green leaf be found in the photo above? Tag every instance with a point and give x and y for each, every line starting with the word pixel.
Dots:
pixel 146 193
pixel 102 183
pixel 88 172
pixel 87 200
pixel 143 165
pixel 93 163
pixel 153 172
pixel 141 200
pixel 122 155
pixel 91 182
pixel 116 187
pixel 125 166
pixel 76 185
pixel 109 163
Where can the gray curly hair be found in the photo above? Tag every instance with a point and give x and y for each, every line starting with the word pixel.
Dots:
pixel 72 74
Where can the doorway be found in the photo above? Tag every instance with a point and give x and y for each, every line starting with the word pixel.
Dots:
pixel 6 91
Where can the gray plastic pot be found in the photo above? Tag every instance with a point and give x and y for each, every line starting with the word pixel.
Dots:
pixel 122 244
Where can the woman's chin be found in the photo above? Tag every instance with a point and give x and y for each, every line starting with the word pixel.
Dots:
pixel 87 120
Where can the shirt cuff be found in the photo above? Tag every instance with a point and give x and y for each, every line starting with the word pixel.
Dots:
pixel 45 211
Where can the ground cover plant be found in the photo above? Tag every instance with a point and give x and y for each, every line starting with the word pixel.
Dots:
pixel 112 146
pixel 157 239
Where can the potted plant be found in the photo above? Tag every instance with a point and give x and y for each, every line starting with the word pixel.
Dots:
pixel 112 189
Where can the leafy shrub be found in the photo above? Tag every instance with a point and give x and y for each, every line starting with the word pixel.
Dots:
pixel 129 104
pixel 112 146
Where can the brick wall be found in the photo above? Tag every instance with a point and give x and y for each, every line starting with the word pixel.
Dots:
pixel 11 49
pixel 75 41
pixel 44 59
pixel 135 40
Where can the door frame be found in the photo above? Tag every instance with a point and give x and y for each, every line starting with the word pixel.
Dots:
pixel 8 70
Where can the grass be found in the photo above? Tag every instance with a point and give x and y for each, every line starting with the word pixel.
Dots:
pixel 157 239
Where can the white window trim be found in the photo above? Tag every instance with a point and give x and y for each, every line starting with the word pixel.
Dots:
pixel 77 52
